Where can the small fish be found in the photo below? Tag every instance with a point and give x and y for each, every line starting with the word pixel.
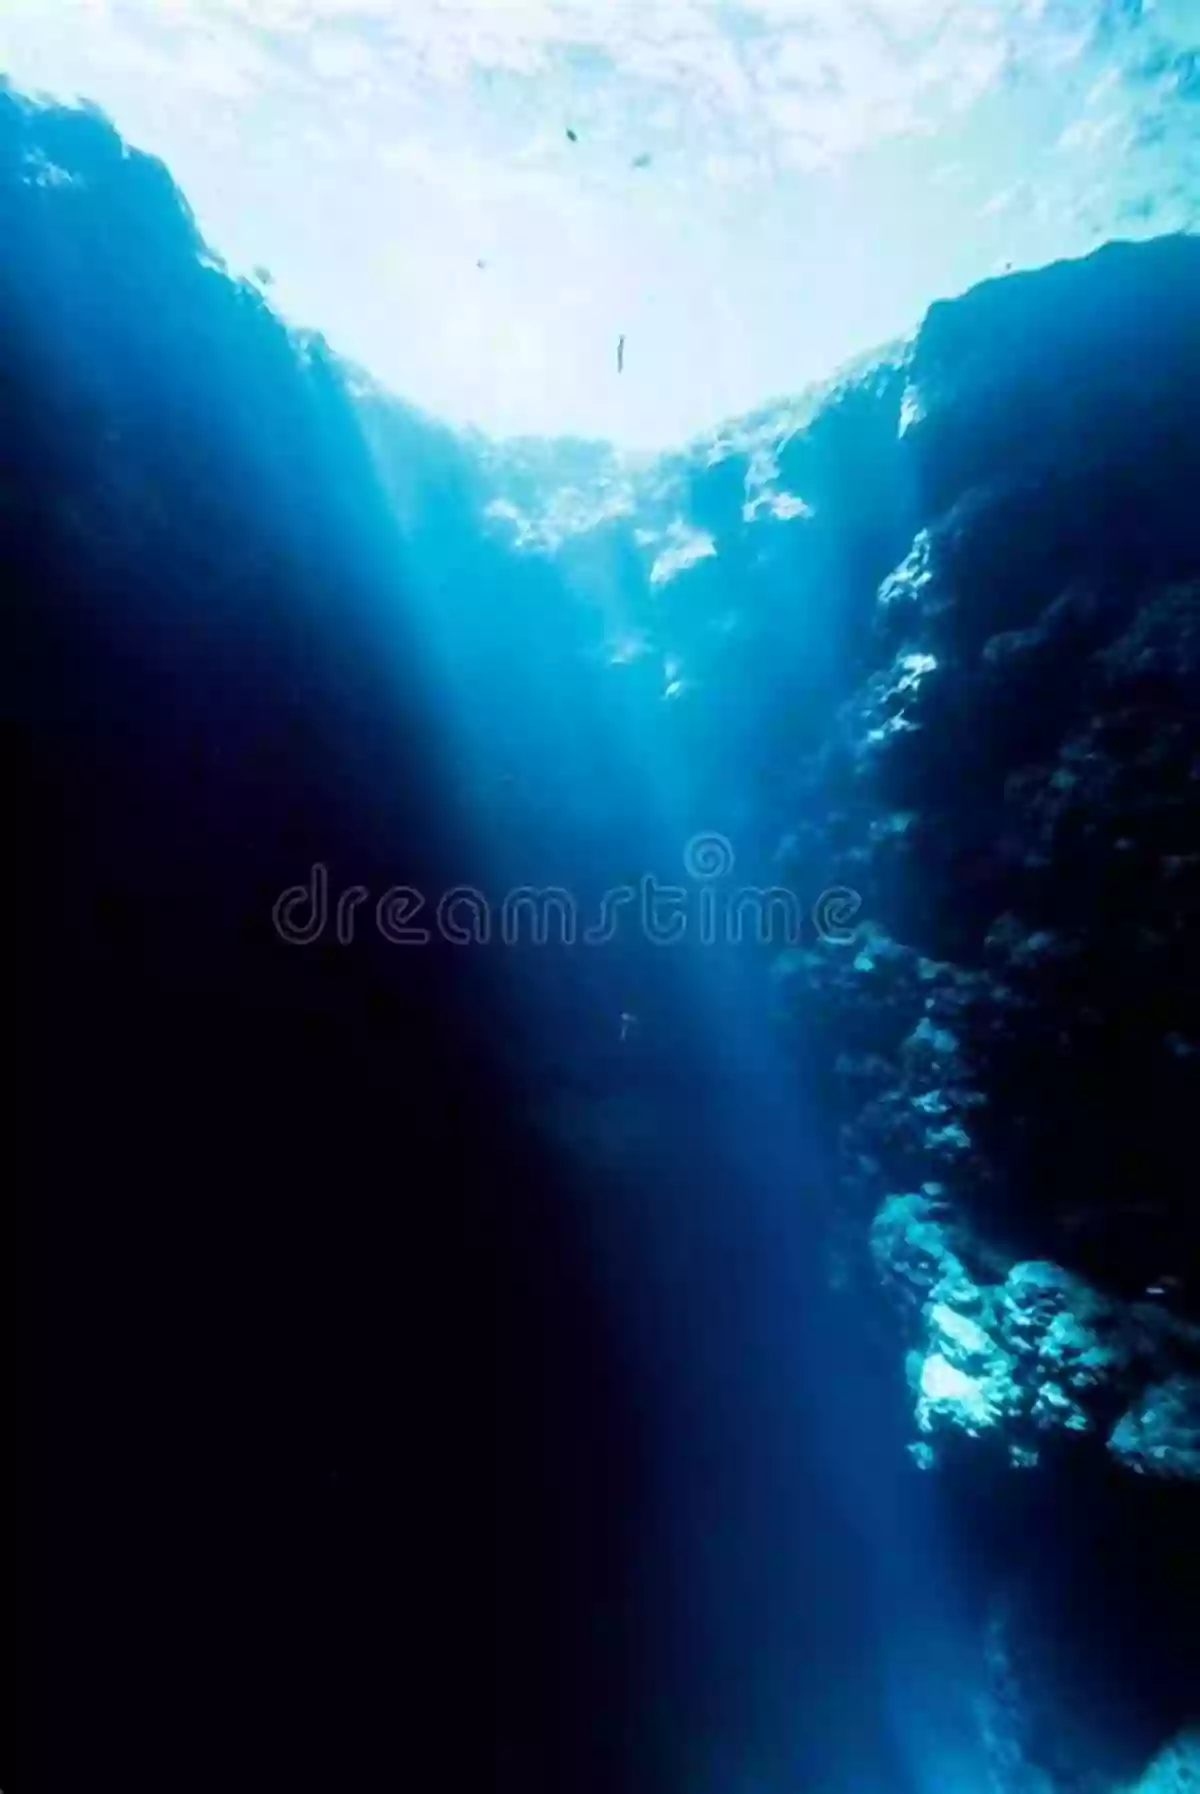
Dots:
pixel 620 355
pixel 572 136
pixel 481 263
pixel 642 161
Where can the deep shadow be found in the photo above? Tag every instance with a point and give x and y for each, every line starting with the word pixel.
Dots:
pixel 327 1465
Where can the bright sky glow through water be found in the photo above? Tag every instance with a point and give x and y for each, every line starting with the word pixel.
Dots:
pixel 756 191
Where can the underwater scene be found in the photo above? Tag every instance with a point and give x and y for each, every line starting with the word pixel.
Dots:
pixel 601 678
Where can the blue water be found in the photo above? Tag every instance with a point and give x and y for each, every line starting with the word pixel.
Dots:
pixel 802 1619
pixel 443 1339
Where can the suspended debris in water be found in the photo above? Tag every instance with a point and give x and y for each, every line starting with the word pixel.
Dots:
pixel 642 161
pixel 481 263
pixel 262 275
pixel 620 355
pixel 572 136
pixel 629 1025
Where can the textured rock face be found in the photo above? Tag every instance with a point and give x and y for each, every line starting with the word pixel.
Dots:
pixel 1176 1770
pixel 1017 783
